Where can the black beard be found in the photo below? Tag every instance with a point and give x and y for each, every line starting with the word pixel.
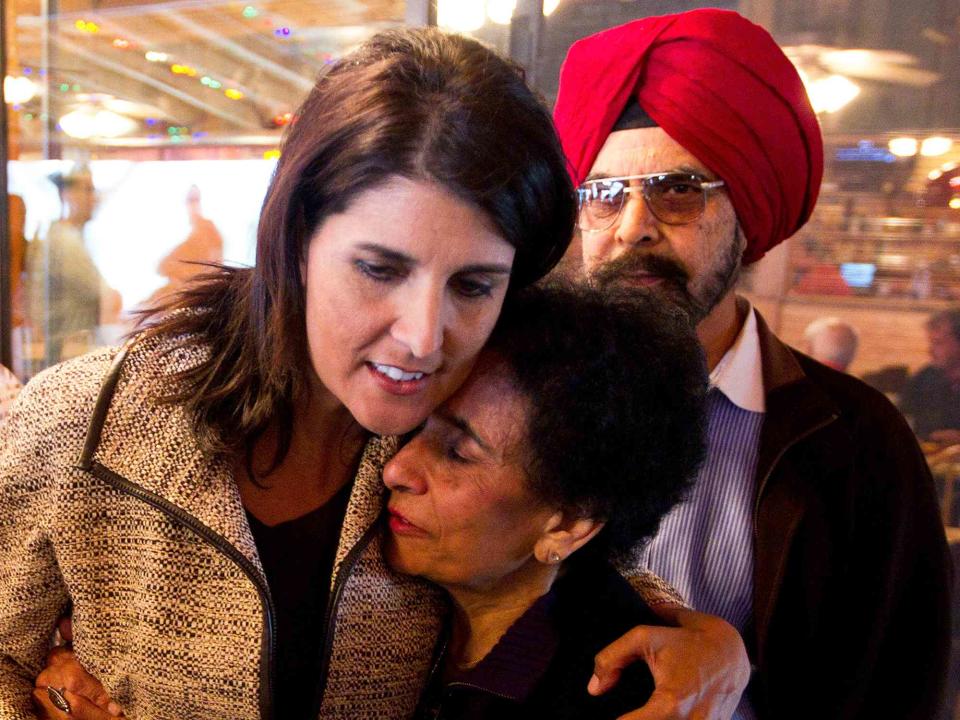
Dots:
pixel 675 278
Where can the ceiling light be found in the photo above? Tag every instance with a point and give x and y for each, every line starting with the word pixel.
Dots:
pixel 89 122
pixel 460 15
pixel 830 94
pixel 933 146
pixel 549 6
pixel 903 146
pixel 501 11
pixel 18 90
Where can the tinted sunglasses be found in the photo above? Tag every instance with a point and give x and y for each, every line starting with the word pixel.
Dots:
pixel 674 198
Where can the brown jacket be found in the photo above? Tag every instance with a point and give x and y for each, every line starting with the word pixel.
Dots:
pixel 147 537
pixel 851 578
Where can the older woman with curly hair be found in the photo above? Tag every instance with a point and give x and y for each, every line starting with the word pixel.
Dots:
pixel 579 428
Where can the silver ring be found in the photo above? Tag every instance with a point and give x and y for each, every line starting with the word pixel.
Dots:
pixel 58 699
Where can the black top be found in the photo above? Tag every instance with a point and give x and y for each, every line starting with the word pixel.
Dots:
pixel 541 666
pixel 297 558
pixel 931 402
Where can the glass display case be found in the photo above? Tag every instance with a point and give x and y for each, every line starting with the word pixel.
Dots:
pixel 882 250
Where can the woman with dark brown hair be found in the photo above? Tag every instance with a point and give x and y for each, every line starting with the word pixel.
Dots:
pixel 205 499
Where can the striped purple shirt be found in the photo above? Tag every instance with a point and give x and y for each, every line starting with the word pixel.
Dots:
pixel 704 546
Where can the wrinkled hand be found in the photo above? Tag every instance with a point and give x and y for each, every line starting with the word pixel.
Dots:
pixel 699 669
pixel 87 697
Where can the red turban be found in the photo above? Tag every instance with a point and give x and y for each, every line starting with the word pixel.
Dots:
pixel 721 87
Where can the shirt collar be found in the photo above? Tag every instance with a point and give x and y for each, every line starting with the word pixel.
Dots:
pixel 739 374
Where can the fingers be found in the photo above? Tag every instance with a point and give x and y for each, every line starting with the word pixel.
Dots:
pixel 65 626
pixel 64 671
pixel 80 707
pixel 640 643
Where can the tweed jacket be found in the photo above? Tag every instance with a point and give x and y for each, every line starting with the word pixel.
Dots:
pixel 851 574
pixel 108 503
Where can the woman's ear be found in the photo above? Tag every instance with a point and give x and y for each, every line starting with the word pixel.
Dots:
pixel 564 534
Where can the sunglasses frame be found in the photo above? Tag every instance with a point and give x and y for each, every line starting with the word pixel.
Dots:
pixel 704 184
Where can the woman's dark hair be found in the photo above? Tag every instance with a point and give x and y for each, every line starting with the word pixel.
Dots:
pixel 415 103
pixel 617 385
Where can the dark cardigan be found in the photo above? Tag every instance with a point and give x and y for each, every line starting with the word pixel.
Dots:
pixel 541 666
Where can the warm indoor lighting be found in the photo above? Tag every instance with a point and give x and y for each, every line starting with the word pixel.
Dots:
pixel 18 90
pixel 933 146
pixel 233 94
pixel 954 202
pixel 830 94
pixel 903 146
pixel 501 11
pixel 90 122
pixel 460 15
pixel 86 26
pixel 153 56
pixel 549 6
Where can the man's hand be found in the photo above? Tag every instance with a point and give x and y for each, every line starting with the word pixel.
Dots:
pixel 699 669
pixel 946 437
pixel 87 697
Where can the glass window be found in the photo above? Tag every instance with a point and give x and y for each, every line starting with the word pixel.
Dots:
pixel 142 137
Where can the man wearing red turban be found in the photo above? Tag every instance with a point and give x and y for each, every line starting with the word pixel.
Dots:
pixel 813 526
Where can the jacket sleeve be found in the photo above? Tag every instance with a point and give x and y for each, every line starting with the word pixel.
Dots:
pixel 900 555
pixel 32 592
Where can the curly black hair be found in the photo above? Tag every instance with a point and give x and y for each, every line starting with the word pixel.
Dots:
pixel 617 385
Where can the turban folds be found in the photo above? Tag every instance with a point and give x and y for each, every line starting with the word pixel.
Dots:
pixel 721 87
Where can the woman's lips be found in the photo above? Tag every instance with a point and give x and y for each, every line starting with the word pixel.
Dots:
pixel 399 525
pixel 397 381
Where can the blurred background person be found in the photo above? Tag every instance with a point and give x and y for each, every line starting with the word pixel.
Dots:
pixel 69 298
pixel 17 215
pixel 9 389
pixel 831 341
pixel 931 397
pixel 204 244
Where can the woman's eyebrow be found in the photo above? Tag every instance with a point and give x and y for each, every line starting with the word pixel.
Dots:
pixel 387 253
pixel 464 426
pixel 488 268
pixel 402 258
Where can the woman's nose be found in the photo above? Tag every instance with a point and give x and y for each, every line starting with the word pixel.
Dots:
pixel 420 322
pixel 402 474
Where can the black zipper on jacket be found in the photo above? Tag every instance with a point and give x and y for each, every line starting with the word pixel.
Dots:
pixel 330 620
pixel 268 646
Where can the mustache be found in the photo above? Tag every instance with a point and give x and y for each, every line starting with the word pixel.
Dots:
pixel 641 263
